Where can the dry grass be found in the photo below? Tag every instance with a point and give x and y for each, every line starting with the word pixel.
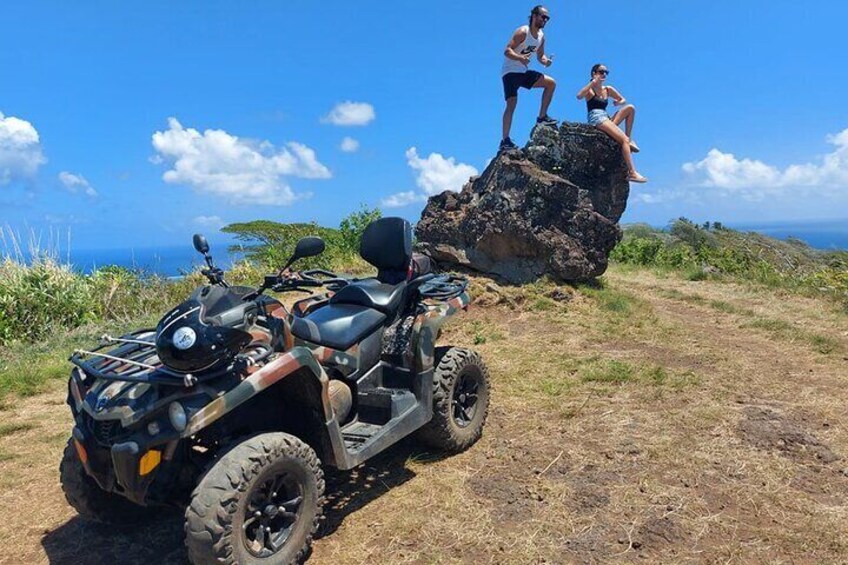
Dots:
pixel 645 418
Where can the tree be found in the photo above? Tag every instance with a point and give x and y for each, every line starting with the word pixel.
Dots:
pixel 352 226
pixel 272 243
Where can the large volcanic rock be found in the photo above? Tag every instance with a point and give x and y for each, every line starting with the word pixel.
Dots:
pixel 550 208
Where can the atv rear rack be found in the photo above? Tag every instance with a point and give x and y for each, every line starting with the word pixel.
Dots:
pixel 443 287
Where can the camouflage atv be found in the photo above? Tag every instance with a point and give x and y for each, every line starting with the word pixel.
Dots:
pixel 233 404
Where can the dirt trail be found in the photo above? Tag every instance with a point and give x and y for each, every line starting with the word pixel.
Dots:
pixel 722 441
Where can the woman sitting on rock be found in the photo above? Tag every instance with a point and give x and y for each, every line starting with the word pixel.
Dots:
pixel 597 97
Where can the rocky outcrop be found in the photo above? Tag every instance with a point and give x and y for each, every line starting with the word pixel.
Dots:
pixel 550 208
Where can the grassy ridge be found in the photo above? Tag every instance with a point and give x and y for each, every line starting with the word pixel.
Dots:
pixel 711 251
pixel 47 309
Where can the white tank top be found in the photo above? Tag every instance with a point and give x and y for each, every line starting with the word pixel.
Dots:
pixel 527 47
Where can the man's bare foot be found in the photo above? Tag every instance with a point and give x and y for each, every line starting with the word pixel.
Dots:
pixel 633 147
pixel 636 177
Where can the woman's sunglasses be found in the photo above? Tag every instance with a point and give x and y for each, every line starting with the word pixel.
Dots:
pixel 603 72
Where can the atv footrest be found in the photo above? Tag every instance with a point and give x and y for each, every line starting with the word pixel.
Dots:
pixel 358 433
pixel 379 405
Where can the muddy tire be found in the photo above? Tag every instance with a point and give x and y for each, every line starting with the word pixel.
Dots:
pixel 274 474
pixel 93 503
pixel 460 400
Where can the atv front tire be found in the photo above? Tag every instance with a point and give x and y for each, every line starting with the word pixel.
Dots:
pixel 90 501
pixel 260 503
pixel 460 400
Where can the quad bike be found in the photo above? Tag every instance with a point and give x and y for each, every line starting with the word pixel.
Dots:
pixel 232 405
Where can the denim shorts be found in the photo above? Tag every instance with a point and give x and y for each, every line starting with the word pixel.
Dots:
pixel 597 117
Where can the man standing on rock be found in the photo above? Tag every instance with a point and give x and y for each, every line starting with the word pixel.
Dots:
pixel 526 41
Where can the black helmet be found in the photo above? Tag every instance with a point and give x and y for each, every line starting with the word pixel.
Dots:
pixel 189 340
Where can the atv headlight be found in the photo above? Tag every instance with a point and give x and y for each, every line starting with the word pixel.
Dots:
pixel 177 416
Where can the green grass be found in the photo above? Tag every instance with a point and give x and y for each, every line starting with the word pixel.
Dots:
pixel 9 429
pixel 555 387
pixel 597 370
pixel 719 305
pixel 30 368
pixel 772 325
pixel 483 333
pixel 784 330
pixel 543 304
pixel 823 344
pixel 608 297
pixel 726 307
pixel 695 274
pixel 607 371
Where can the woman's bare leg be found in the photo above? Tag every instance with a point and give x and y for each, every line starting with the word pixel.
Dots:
pixel 626 114
pixel 612 130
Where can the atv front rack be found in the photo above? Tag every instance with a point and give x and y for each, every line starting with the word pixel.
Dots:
pixel 134 360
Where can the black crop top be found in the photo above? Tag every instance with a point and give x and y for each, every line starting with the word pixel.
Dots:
pixel 596 103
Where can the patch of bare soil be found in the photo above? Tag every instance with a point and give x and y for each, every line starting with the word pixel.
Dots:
pixel 765 428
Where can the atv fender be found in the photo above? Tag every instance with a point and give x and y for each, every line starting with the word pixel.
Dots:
pixel 299 362
pixel 288 363
pixel 427 325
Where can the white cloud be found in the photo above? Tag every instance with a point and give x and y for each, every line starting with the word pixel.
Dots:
pixel 20 149
pixel 240 170
pixel 754 180
pixel 401 199
pixel 213 222
pixel 349 145
pixel 437 173
pixel 76 183
pixel 350 114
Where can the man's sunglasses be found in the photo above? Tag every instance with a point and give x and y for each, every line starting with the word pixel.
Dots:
pixel 544 17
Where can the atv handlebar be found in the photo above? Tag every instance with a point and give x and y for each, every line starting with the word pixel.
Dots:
pixel 300 281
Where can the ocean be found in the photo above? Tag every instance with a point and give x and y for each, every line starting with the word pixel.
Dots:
pixel 174 261
pixel 829 235
pixel 171 261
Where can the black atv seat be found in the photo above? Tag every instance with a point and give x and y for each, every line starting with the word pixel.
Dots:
pixel 372 293
pixel 338 326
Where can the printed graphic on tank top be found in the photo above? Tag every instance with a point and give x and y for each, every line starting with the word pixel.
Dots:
pixel 527 47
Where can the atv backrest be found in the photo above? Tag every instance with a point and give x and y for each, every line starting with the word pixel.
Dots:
pixel 387 244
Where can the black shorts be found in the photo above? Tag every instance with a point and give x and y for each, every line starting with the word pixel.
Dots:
pixel 512 82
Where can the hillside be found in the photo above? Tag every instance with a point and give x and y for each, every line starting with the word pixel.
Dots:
pixel 647 417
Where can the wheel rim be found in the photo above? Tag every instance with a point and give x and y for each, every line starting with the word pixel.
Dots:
pixel 465 396
pixel 271 513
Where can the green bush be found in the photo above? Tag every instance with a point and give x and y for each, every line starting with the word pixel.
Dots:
pixel 637 250
pixel 38 299
pixel 700 252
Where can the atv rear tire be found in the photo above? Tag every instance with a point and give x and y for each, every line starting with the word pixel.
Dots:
pixel 93 503
pixel 460 400
pixel 275 475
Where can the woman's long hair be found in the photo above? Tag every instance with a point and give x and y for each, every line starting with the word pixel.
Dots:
pixel 595 69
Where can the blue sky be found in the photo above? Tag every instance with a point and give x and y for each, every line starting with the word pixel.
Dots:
pixel 140 123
